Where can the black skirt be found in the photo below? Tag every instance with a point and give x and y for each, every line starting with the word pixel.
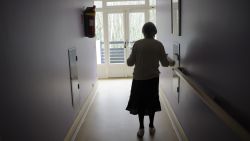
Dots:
pixel 144 97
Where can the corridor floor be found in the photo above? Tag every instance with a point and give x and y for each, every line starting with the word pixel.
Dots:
pixel 107 119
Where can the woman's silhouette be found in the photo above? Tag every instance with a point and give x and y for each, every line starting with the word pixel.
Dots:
pixel 144 97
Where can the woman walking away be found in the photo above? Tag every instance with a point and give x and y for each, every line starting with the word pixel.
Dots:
pixel 144 97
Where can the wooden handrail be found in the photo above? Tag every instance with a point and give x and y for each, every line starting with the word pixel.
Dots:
pixel 218 110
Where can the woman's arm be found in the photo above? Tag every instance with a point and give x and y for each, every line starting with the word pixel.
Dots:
pixel 163 57
pixel 131 59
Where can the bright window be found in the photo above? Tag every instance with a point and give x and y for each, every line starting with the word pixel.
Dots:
pixel 119 3
pixel 98 4
pixel 112 49
pixel 152 16
pixel 152 2
pixel 100 50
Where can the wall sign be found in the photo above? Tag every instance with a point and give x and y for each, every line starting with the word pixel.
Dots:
pixel 75 87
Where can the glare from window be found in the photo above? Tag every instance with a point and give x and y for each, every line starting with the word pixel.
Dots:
pixel 116 38
pixel 136 21
pixel 98 4
pixel 152 16
pixel 135 2
pixel 175 1
pixel 100 51
pixel 152 2
pixel 115 47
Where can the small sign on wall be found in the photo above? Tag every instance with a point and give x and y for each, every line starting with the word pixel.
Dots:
pixel 75 87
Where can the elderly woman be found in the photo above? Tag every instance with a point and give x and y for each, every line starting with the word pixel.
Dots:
pixel 144 97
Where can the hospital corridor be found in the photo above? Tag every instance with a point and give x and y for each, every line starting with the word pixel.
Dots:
pixel 77 70
pixel 107 119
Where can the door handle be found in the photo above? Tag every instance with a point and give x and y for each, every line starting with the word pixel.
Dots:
pixel 125 44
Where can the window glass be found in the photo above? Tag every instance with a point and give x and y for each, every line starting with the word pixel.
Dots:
pixel 116 38
pixel 152 15
pixel 152 2
pixel 100 51
pixel 98 4
pixel 134 2
pixel 136 21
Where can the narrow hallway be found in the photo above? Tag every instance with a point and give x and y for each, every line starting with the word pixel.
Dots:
pixel 107 119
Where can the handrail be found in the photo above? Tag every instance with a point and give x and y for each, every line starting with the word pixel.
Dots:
pixel 218 110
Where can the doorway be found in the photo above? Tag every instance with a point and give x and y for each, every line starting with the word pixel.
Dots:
pixel 117 28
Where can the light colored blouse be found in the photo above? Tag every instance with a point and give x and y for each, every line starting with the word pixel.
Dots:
pixel 146 55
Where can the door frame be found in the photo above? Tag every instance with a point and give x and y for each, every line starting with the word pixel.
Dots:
pixel 104 70
pixel 114 70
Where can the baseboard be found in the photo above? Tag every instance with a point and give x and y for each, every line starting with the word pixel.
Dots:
pixel 74 129
pixel 174 121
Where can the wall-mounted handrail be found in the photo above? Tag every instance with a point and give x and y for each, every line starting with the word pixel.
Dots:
pixel 218 110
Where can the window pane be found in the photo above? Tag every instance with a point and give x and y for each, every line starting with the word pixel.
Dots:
pixel 116 37
pixel 136 21
pixel 116 27
pixel 99 38
pixel 152 15
pixel 98 4
pixel 152 2
pixel 99 26
pixel 116 53
pixel 117 3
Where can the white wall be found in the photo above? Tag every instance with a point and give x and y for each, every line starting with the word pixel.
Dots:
pixel 214 50
pixel 36 98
